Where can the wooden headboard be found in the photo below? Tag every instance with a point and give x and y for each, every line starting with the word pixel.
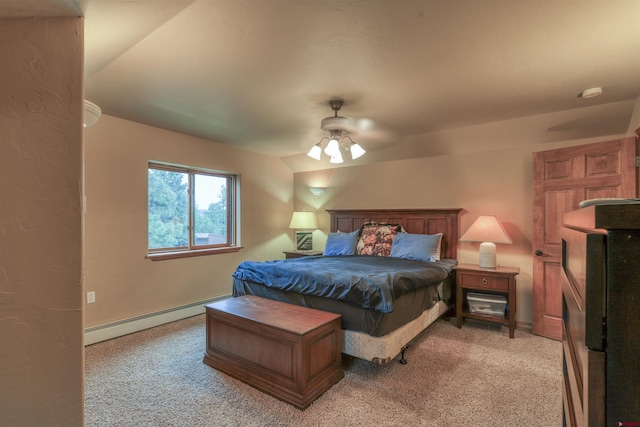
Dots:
pixel 418 221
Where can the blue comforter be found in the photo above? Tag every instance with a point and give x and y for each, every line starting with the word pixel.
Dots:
pixel 370 282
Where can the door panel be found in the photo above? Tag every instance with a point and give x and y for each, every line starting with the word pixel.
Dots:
pixel 600 192
pixel 548 302
pixel 557 203
pixel 561 180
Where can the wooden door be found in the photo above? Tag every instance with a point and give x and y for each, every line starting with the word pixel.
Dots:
pixel 561 180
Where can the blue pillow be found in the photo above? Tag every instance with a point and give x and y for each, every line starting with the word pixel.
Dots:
pixel 418 247
pixel 341 243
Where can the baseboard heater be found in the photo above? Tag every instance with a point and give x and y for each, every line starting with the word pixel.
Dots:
pixel 119 328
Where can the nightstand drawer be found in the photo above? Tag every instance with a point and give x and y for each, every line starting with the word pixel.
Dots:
pixel 480 281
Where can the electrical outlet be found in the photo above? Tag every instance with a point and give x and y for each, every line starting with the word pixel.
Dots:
pixel 91 297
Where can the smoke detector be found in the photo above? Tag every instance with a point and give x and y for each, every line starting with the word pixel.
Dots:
pixel 591 92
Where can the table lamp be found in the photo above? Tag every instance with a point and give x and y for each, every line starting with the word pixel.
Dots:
pixel 488 231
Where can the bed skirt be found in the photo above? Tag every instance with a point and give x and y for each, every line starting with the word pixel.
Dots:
pixel 381 350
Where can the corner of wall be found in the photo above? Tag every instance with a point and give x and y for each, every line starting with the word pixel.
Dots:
pixel 634 123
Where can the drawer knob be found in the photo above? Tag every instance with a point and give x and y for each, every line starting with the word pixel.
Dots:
pixel 484 281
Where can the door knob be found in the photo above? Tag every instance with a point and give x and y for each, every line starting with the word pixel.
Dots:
pixel 539 252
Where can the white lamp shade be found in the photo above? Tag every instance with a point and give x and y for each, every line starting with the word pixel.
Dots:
pixel 315 152
pixel 487 230
pixel 332 148
pixel 303 220
pixel 356 151
pixel 336 158
pixel 91 114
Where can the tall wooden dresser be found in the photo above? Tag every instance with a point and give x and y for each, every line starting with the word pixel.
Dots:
pixel 601 315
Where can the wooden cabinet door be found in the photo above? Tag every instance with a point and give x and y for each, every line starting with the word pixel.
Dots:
pixel 562 178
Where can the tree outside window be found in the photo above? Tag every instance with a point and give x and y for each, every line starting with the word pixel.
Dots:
pixel 189 209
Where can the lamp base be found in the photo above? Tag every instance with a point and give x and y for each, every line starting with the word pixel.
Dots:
pixel 487 255
pixel 304 240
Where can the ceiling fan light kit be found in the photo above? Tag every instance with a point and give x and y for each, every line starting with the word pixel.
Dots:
pixel 356 151
pixel 339 129
pixel 315 152
pixel 336 159
pixel 333 147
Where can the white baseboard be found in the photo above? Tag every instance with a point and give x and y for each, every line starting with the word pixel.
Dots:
pixel 111 330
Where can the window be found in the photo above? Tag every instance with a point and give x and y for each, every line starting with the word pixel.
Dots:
pixel 191 211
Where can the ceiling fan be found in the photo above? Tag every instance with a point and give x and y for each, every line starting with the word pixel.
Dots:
pixel 339 129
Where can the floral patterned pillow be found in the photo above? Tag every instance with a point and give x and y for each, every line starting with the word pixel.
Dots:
pixel 376 239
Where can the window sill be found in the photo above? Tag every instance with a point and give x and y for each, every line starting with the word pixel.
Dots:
pixel 161 256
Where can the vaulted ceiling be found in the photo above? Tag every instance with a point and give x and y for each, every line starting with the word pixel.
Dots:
pixel 258 74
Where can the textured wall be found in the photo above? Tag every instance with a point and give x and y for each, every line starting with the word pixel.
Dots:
pixel 41 354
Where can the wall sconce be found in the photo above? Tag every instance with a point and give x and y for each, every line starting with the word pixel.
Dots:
pixel 317 191
pixel 91 115
pixel 487 230
pixel 303 221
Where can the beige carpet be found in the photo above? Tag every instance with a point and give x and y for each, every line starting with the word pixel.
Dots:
pixel 474 376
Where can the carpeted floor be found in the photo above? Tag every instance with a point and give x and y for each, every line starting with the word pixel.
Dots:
pixel 474 376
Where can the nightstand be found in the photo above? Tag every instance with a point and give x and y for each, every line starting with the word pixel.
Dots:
pixel 500 281
pixel 300 254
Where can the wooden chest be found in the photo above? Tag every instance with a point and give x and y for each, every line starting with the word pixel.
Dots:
pixel 290 352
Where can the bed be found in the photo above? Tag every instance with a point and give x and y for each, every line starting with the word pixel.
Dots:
pixel 385 299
